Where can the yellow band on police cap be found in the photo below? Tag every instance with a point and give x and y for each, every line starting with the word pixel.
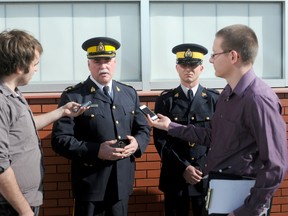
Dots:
pixel 192 55
pixel 107 48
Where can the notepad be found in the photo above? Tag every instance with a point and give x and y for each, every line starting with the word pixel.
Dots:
pixel 226 195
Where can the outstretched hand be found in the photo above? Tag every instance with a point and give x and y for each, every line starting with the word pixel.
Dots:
pixel 73 109
pixel 162 122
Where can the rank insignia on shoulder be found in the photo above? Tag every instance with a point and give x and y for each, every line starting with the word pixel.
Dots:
pixel 176 95
pixel 204 94
pixel 117 88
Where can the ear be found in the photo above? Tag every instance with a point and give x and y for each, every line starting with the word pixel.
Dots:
pixel 234 56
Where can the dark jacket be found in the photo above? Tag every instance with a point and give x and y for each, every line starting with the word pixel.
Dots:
pixel 79 139
pixel 176 154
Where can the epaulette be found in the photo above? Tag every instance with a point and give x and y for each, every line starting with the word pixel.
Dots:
pixel 78 85
pixel 213 91
pixel 118 87
pixel 167 91
pixel 123 84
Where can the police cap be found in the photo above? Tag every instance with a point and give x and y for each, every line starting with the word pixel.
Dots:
pixel 100 47
pixel 189 54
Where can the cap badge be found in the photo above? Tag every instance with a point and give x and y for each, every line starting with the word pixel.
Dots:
pixel 188 53
pixel 100 47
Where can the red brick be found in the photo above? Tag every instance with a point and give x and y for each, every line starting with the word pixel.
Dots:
pixel 36 108
pixel 57 187
pixel 153 173
pixel 146 182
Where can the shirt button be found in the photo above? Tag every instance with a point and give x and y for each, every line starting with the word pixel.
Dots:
pixel 114 107
pixel 175 119
pixel 193 118
pixel 92 115
pixel 119 137
pixel 207 118
pixel 192 158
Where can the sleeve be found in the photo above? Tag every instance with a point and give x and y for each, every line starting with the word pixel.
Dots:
pixel 191 133
pixel 267 126
pixel 4 134
pixel 140 129
pixel 160 136
pixel 65 143
pixel 164 144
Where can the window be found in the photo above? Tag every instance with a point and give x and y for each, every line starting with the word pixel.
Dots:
pixel 147 31
pixel 63 27
pixel 194 22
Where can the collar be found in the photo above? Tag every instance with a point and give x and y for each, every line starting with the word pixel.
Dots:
pixel 101 86
pixel 194 89
pixel 244 82
pixel 7 91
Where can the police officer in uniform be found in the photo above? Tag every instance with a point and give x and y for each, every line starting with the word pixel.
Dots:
pixel 189 103
pixel 103 142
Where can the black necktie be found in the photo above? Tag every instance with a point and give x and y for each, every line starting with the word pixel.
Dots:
pixel 190 95
pixel 106 92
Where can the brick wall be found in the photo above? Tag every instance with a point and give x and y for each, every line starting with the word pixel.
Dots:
pixel 146 198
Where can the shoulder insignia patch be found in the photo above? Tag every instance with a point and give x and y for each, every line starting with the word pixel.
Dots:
pixel 92 89
pixel 203 94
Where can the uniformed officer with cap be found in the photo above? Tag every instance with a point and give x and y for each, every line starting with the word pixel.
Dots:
pixel 102 162
pixel 189 103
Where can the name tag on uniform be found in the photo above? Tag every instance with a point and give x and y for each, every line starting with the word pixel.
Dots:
pixel 93 105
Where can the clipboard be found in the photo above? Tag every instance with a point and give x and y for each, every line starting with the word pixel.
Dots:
pixel 227 192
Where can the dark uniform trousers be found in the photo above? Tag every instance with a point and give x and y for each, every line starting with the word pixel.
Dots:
pixel 116 207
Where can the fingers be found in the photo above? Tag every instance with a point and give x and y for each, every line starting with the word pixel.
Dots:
pixel 111 152
pixel 192 175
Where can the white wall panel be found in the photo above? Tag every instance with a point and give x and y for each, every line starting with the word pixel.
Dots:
pixel 166 32
pixel 56 37
pixel 200 28
pixel 123 24
pixel 88 21
pixel 266 21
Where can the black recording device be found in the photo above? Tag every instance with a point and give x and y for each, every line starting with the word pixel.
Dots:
pixel 121 143
pixel 82 105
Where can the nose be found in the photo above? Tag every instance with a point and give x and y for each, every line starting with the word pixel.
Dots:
pixel 211 60
pixel 102 65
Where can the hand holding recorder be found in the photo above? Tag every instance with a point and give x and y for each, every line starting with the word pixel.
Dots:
pixel 158 121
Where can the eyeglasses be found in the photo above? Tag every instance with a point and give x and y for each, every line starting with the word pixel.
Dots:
pixel 213 55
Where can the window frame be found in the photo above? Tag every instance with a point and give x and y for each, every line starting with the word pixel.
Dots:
pixel 146 84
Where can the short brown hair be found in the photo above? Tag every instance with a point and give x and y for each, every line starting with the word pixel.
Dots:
pixel 240 38
pixel 17 51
